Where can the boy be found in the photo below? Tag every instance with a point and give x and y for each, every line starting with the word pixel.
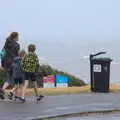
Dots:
pixel 30 65
pixel 17 76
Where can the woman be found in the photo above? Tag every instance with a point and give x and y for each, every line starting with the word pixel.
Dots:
pixel 11 49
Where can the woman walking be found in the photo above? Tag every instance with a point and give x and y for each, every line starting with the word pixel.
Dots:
pixel 11 50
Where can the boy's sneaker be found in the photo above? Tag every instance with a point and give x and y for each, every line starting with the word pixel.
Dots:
pixel 15 98
pixel 2 94
pixel 39 98
pixel 10 95
pixel 22 99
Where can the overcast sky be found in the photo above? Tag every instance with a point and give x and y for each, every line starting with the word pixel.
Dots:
pixel 90 19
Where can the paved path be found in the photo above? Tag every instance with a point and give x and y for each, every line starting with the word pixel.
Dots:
pixel 57 105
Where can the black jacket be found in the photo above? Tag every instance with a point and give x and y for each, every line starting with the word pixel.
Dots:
pixel 11 48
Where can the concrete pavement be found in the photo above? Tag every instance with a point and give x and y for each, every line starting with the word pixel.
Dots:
pixel 58 105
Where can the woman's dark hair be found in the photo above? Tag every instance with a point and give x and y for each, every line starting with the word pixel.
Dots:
pixel 31 48
pixel 13 35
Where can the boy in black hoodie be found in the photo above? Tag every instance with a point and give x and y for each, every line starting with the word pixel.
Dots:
pixel 17 76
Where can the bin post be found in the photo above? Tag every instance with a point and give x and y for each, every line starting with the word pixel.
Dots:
pixel 91 74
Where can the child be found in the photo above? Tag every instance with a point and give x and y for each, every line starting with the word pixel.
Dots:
pixel 30 65
pixel 17 76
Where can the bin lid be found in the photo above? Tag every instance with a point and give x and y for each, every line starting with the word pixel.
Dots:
pixel 107 59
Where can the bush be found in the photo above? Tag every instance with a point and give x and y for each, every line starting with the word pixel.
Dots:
pixel 45 70
pixel 73 81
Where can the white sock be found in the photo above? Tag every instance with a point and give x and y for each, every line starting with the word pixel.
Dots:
pixel 23 97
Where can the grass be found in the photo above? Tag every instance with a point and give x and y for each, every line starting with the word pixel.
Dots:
pixel 59 91
pixel 115 87
pixel 70 90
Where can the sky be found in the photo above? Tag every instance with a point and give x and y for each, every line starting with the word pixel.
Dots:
pixel 88 19
pixel 76 25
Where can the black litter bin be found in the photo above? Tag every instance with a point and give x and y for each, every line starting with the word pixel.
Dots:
pixel 100 73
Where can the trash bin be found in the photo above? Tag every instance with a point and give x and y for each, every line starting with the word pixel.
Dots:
pixel 100 73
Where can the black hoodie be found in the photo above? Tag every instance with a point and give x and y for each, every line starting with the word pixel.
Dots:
pixel 11 48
